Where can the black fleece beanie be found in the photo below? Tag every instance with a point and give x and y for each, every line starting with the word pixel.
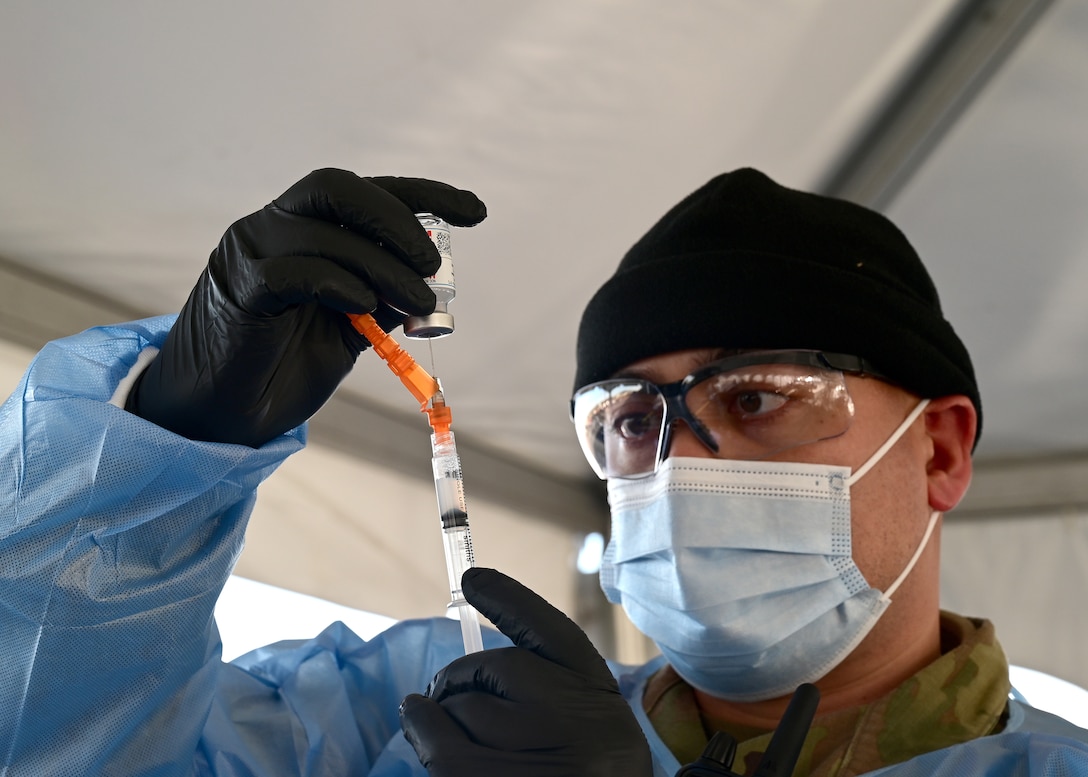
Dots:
pixel 746 263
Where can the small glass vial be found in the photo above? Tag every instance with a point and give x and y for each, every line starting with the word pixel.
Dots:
pixel 439 323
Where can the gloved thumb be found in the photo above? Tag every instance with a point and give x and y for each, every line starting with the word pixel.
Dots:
pixel 532 623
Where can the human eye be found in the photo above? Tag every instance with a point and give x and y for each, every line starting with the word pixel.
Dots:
pixel 753 403
pixel 629 417
pixel 748 397
pixel 634 419
pixel 756 410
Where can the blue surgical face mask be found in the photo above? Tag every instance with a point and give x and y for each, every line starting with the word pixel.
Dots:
pixel 742 572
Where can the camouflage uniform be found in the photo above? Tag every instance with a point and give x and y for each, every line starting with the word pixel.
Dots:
pixel 961 696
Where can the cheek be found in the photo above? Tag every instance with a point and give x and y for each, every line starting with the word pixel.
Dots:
pixel 888 515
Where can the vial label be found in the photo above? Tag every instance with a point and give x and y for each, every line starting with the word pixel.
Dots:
pixel 439 233
pixel 442 283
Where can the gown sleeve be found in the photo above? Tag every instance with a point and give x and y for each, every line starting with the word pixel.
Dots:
pixel 329 705
pixel 116 538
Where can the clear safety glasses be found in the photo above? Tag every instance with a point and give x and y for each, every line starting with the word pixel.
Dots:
pixel 748 406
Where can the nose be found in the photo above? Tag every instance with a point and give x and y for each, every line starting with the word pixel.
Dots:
pixel 683 442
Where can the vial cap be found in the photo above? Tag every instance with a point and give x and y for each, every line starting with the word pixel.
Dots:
pixel 437 324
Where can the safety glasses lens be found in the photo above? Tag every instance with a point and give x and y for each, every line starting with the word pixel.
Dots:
pixel 743 412
pixel 621 426
pixel 760 410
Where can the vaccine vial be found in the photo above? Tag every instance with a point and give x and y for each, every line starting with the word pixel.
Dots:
pixel 439 323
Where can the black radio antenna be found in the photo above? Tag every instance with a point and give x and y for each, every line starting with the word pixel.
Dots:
pixel 782 752
pixel 786 741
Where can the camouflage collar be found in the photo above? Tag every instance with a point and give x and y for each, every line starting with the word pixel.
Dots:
pixel 959 697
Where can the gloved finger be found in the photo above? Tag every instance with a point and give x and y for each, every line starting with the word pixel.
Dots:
pixel 388 317
pixel 511 673
pixel 279 282
pixel 431 732
pixel 313 242
pixel 502 724
pixel 342 198
pixel 580 735
pixel 275 231
pixel 284 281
pixel 531 623
pixel 459 207
pixel 447 750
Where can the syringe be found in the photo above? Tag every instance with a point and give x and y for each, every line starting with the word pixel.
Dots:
pixel 449 485
pixel 448 481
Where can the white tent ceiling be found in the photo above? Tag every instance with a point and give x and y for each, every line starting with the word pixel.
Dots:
pixel 133 134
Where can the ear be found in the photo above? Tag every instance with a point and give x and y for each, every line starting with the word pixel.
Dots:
pixel 950 424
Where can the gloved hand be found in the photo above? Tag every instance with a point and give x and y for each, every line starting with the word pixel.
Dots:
pixel 547 707
pixel 263 341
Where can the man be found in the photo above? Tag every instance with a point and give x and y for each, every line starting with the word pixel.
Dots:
pixel 767 383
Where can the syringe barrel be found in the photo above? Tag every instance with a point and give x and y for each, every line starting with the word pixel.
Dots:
pixel 448 482
pixel 459 557
pixel 456 537
pixel 450 491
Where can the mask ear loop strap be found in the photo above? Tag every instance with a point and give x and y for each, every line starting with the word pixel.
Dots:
pixel 899 432
pixel 933 516
pixel 892 440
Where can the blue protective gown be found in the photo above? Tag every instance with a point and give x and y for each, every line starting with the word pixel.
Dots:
pixel 116 538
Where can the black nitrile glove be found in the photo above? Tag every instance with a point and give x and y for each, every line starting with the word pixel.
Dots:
pixel 545 708
pixel 263 341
